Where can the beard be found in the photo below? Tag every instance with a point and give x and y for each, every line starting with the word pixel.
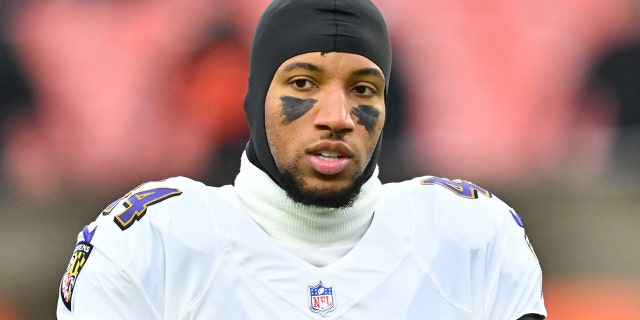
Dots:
pixel 340 198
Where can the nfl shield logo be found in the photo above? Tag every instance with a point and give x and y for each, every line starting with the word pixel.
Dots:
pixel 321 299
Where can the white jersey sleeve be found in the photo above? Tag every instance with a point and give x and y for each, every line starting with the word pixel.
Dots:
pixel 514 275
pixel 120 266
pixel 105 291
pixel 476 249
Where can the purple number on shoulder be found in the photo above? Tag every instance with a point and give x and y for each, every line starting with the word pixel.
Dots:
pixel 462 188
pixel 136 205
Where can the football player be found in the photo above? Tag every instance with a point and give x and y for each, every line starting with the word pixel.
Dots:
pixel 308 231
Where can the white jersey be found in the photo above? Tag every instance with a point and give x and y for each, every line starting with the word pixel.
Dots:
pixel 177 249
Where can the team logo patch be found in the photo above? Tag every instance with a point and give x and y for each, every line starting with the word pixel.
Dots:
pixel 321 299
pixel 77 262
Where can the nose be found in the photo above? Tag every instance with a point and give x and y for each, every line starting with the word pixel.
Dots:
pixel 334 112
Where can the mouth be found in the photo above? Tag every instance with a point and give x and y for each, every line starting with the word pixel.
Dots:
pixel 329 155
pixel 330 159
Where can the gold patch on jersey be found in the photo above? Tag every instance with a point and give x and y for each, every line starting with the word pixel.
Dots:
pixel 76 263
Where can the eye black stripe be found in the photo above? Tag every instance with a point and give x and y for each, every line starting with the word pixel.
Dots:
pixel 294 108
pixel 367 116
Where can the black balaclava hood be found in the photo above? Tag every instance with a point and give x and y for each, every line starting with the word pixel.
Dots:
pixel 289 28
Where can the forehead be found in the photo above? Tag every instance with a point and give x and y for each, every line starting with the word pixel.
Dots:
pixel 331 62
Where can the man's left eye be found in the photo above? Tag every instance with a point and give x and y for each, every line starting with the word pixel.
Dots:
pixel 364 90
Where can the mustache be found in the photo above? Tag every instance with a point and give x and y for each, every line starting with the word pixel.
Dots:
pixel 332 135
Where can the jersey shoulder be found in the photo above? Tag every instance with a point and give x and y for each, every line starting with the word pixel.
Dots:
pixel 156 203
pixel 447 193
pixel 145 237
pixel 456 209
pixel 459 227
pixel 156 217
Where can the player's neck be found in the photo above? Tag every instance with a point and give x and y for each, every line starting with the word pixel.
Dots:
pixel 295 224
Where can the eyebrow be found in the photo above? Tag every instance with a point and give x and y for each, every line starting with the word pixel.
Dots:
pixel 302 65
pixel 312 67
pixel 368 71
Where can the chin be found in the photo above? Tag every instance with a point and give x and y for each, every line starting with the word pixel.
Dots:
pixel 327 195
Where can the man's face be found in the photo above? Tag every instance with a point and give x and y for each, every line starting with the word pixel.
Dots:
pixel 323 116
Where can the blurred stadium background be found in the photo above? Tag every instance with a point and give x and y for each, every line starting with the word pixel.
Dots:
pixel 536 101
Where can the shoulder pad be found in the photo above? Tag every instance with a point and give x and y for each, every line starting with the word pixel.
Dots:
pixel 134 204
pixel 461 210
